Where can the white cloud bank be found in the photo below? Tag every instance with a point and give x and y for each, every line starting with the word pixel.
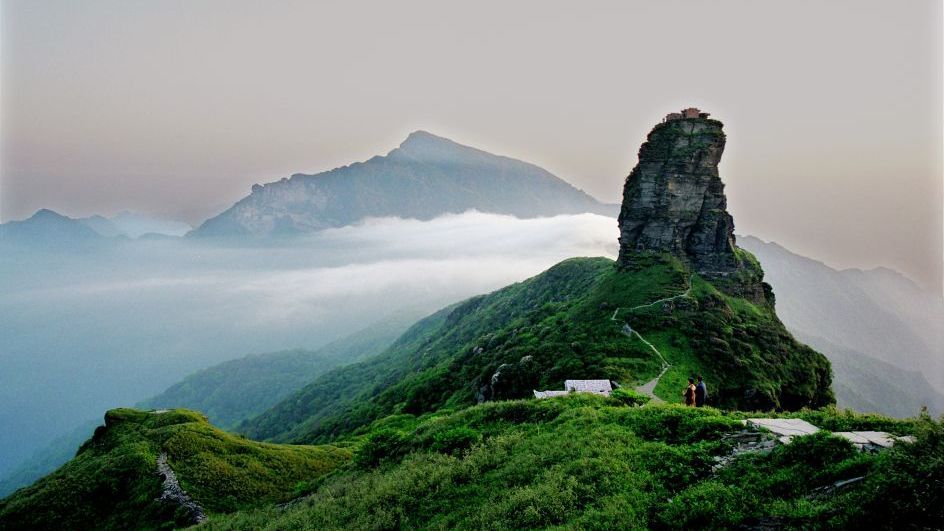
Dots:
pixel 85 333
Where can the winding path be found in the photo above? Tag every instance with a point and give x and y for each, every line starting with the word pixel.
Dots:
pixel 649 387
pixel 173 494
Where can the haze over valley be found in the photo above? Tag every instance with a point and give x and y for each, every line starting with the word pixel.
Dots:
pixel 113 322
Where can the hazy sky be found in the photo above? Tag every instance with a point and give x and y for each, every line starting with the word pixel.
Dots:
pixel 833 109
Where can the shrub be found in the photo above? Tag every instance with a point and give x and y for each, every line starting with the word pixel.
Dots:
pixel 815 451
pixel 455 440
pixel 906 488
pixel 709 504
pixel 629 397
pixel 382 446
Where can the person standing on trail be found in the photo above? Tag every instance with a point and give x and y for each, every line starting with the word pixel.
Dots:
pixel 701 392
pixel 689 394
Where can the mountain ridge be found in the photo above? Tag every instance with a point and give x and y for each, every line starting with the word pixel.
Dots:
pixel 50 225
pixel 424 177
pixel 236 390
pixel 48 228
pixel 562 324
pixel 857 310
pixel 555 326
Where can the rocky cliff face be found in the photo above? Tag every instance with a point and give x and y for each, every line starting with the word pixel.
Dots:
pixel 674 202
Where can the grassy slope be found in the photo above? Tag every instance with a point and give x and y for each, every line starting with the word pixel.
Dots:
pixel 236 390
pixel 585 462
pixel 111 483
pixel 230 392
pixel 741 348
pixel 555 326
pixel 423 458
pixel 414 373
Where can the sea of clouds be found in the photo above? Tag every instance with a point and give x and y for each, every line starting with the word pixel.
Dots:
pixel 85 331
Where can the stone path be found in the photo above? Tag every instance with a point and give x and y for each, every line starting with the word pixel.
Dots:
pixel 666 299
pixel 649 387
pixel 171 492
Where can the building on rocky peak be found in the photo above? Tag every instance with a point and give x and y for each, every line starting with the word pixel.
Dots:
pixel 597 387
pixel 689 113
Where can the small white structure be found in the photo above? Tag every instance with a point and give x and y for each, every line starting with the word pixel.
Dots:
pixel 597 387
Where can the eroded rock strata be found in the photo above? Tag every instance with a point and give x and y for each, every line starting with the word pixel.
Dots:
pixel 673 201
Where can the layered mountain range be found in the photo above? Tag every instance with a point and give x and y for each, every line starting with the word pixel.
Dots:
pixel 425 177
pixel 50 228
pixel 442 430
pixel 881 332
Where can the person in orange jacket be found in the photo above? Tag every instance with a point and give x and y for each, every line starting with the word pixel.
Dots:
pixel 689 394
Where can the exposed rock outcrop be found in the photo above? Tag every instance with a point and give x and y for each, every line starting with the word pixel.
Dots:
pixel 173 493
pixel 674 202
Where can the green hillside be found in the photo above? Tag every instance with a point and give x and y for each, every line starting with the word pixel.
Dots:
pixel 585 462
pixel 414 448
pixel 112 482
pixel 579 461
pixel 560 325
pixel 236 390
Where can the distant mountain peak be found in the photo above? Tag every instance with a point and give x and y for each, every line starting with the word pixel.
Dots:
pixel 423 145
pixel 425 177
pixel 421 135
pixel 45 213
pixel 47 227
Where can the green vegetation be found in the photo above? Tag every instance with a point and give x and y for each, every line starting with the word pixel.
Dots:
pixel 630 397
pixel 112 482
pixel 579 461
pixel 236 390
pixel 587 462
pixel 741 348
pixel 559 325
pixel 415 447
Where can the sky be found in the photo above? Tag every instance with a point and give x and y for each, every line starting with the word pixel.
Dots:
pixel 833 110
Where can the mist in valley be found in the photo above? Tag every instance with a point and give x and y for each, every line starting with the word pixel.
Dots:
pixel 88 327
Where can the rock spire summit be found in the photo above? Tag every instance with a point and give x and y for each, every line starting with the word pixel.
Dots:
pixel 673 200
